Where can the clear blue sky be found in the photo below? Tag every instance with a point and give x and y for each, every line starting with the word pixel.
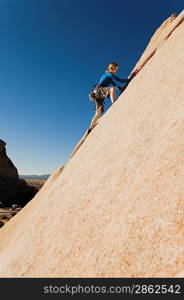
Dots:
pixel 51 53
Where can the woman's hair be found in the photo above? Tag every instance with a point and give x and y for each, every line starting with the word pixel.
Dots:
pixel 111 65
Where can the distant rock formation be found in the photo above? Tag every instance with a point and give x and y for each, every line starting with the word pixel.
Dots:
pixel 9 178
pixel 14 190
pixel 7 168
pixel 116 209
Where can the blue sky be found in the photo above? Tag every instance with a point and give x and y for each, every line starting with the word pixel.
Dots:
pixel 51 53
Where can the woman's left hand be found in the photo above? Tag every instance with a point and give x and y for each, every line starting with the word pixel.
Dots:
pixel 122 88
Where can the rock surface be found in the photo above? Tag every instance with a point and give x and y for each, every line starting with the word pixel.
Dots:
pixel 116 210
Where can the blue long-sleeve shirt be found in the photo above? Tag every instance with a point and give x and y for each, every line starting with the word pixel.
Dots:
pixel 109 78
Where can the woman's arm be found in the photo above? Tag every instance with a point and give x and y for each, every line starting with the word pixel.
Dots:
pixel 125 80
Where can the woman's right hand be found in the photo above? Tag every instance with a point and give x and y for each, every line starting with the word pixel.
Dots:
pixel 134 73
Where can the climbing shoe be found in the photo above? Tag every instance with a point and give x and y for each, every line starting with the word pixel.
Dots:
pixel 89 130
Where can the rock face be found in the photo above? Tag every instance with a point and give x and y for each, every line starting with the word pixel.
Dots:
pixel 116 210
pixel 7 168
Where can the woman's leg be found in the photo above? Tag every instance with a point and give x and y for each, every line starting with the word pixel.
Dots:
pixel 113 94
pixel 95 118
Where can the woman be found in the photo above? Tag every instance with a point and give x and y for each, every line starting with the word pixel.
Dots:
pixel 103 90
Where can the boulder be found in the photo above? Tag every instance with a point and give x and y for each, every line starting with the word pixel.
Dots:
pixel 116 210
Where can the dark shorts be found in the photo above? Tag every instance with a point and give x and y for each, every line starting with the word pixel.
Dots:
pixel 101 92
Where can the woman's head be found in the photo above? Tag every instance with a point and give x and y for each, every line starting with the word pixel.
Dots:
pixel 112 67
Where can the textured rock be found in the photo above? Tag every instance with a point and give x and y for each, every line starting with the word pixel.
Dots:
pixel 116 210
pixel 161 28
pixel 159 38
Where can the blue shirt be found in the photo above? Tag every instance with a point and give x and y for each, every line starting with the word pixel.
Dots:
pixel 109 78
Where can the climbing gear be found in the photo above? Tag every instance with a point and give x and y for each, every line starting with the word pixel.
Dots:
pixel 99 92
pixel 98 95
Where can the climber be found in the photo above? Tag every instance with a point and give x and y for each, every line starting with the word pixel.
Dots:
pixel 103 90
